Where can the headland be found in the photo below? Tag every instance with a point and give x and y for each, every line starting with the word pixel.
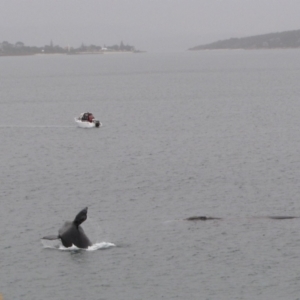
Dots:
pixel 277 40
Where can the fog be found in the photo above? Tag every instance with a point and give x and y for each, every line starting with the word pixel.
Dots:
pixel 151 25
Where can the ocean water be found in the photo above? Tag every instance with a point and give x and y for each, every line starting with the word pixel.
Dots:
pixel 212 133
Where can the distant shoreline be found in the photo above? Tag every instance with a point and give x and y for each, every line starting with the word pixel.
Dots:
pixel 20 49
pixel 73 54
pixel 269 41
pixel 244 49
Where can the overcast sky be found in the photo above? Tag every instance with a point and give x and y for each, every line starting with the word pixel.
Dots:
pixel 152 25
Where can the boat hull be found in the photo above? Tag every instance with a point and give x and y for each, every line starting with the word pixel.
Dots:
pixel 86 124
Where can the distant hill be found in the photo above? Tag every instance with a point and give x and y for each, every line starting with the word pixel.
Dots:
pixel 278 40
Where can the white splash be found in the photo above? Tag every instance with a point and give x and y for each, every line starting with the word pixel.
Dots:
pixel 102 245
pixel 94 247
pixel 56 244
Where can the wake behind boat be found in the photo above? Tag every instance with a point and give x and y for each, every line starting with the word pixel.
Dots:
pixel 87 120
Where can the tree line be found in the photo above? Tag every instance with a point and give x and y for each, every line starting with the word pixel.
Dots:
pixel 19 48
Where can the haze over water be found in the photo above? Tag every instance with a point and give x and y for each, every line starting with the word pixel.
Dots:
pixel 212 133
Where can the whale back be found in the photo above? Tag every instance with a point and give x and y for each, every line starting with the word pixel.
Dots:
pixel 72 233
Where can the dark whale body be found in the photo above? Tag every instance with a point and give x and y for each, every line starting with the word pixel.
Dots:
pixel 282 217
pixel 201 218
pixel 72 233
pixel 204 218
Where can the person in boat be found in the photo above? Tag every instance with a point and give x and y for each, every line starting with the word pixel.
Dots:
pixel 84 117
pixel 87 117
pixel 90 118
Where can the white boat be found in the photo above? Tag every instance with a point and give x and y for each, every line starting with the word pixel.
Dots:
pixel 87 120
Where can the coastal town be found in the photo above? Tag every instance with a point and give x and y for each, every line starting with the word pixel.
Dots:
pixel 19 48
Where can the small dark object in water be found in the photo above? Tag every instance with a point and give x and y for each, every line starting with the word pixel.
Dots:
pixel 282 217
pixel 201 218
pixel 204 218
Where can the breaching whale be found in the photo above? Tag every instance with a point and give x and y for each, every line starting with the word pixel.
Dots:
pixel 72 233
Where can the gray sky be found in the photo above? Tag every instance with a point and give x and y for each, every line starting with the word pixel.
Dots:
pixel 152 25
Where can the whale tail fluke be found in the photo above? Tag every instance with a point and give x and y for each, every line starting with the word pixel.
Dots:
pixel 81 217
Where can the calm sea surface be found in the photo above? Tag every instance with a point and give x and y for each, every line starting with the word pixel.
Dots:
pixel 212 133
